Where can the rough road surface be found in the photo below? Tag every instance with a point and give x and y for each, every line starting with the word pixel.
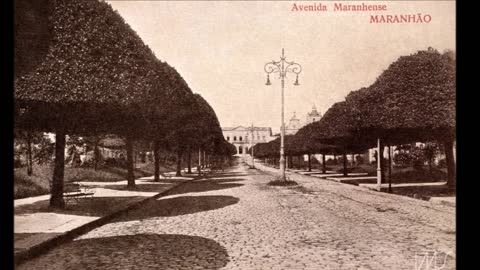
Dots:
pixel 233 220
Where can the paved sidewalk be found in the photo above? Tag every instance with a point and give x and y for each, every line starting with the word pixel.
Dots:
pixel 35 224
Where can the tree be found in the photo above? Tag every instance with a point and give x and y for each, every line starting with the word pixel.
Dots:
pixel 25 140
pixel 97 75
pixel 413 100
pixel 430 151
pixel 44 151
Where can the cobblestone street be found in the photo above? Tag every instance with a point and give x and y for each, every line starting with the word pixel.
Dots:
pixel 233 220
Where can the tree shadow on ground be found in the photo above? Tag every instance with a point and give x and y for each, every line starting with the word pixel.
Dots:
pixel 229 174
pixel 140 251
pixel 95 206
pixel 179 206
pixel 138 187
pixel 221 179
pixel 25 240
pixel 204 186
pixel 165 180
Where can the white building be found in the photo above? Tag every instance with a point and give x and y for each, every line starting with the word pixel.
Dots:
pixel 295 124
pixel 313 116
pixel 243 138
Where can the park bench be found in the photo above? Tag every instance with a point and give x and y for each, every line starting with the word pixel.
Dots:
pixel 165 176
pixel 75 191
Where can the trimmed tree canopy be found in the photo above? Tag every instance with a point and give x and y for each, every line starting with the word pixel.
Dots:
pixel 95 69
pixel 413 100
pixel 32 33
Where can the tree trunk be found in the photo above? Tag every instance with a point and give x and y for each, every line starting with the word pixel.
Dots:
pixel 199 166
pixel 449 157
pixel 179 163
pixel 29 154
pixel 130 165
pixel 324 166
pixel 382 161
pixel 353 160
pixel 430 161
pixel 345 167
pixel 204 159
pixel 309 162
pixel 56 199
pixel 156 155
pixel 189 161
pixel 389 168
pixel 96 152
pixel 135 155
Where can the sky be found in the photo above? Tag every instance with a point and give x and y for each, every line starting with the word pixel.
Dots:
pixel 220 48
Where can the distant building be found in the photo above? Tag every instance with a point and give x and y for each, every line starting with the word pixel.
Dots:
pixel 313 116
pixel 295 124
pixel 245 137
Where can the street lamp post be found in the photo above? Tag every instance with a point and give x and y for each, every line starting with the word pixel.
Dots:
pixel 282 67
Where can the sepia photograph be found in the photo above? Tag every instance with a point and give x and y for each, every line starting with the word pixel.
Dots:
pixel 249 135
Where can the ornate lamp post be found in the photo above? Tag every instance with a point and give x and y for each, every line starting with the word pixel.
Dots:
pixel 282 67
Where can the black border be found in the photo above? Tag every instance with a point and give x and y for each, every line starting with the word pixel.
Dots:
pixel 6 139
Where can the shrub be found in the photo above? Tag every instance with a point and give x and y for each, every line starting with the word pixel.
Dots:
pixel 331 162
pixel 359 159
pixel 417 157
pixel 402 159
pixel 442 163
pixel 17 163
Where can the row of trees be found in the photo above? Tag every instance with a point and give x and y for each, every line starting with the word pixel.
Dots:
pixel 412 101
pixel 98 77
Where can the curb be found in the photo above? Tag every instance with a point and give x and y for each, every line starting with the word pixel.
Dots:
pixel 34 251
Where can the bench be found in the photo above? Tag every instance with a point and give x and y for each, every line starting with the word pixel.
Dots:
pixel 165 176
pixel 76 191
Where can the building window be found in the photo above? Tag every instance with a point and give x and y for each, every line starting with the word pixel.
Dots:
pixel 263 138
pixel 240 150
pixel 228 138
pixel 240 138
pixel 234 138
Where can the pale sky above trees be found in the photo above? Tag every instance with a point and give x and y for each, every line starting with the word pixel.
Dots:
pixel 220 49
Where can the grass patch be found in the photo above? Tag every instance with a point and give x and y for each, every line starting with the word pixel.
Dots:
pixel 39 183
pixel 410 175
pixel 28 186
pixel 425 192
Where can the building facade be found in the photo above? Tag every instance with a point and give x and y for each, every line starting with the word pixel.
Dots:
pixel 295 124
pixel 243 138
pixel 313 116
